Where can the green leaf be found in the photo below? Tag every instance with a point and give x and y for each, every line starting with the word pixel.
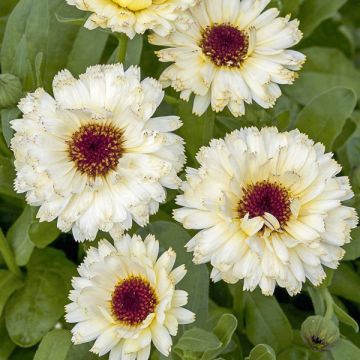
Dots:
pixel 314 12
pixel 325 116
pixel 53 260
pixel 19 239
pixel 317 300
pixel 346 283
pixel 82 55
pixel 9 283
pixel 35 309
pixel 70 46
pixel 355 183
pixel 6 116
pixel 82 352
pixel 44 233
pixel 345 349
pixel 27 232
pixel 345 318
pixel 330 34
pixel 10 90
pixel 293 354
pixel 291 7
pixel 55 346
pixel 197 340
pixel 211 344
pixel 328 279
pixel 239 298
pixel 5 9
pixel 348 154
pixel 196 282
pixel 215 313
pixel 32 29
pixel 353 248
pixel 4 149
pixel 69 19
pixel 346 133
pixel 224 330
pixel 6 345
pixel 262 352
pixel 196 131
pixel 26 34
pixel 133 52
pixel 266 322
pixel 7 254
pixel 324 69
pixel 7 176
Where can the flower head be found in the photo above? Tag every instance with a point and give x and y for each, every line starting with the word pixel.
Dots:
pixel 93 156
pixel 268 205
pixel 125 298
pixel 133 16
pixel 319 333
pixel 233 53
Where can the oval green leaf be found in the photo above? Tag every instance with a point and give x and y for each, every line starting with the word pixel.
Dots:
pixel 324 117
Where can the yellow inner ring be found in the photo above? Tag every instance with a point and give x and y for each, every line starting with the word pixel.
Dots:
pixel 136 5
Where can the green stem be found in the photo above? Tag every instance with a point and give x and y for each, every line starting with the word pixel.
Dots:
pixel 171 100
pixel 329 304
pixel 123 40
pixel 8 255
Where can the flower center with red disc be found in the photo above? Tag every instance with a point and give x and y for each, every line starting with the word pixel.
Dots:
pixel 265 197
pixel 225 44
pixel 133 300
pixel 96 148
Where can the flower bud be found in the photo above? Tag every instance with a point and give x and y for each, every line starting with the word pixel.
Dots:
pixel 10 90
pixel 319 333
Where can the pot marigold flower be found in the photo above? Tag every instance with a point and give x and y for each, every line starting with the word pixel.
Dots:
pixel 133 16
pixel 93 157
pixel 268 205
pixel 233 53
pixel 125 298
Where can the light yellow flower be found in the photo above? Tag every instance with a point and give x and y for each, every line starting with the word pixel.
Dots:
pixel 232 54
pixel 268 205
pixel 94 157
pixel 133 16
pixel 125 299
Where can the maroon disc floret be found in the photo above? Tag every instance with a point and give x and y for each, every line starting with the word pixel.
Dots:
pixel 265 197
pixel 96 148
pixel 133 300
pixel 225 44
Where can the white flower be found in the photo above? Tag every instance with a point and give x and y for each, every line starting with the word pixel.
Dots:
pixel 93 157
pixel 125 298
pixel 269 208
pixel 133 16
pixel 232 54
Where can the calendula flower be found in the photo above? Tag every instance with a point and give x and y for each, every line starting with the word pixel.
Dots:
pixel 232 54
pixel 133 16
pixel 93 157
pixel 268 205
pixel 125 298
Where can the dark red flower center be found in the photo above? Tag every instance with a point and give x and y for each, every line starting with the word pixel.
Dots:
pixel 133 300
pixel 265 197
pixel 225 44
pixel 96 148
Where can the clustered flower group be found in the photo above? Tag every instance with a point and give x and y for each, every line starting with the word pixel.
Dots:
pixel 93 156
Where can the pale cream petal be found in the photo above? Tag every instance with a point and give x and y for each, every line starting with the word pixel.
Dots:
pixel 268 207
